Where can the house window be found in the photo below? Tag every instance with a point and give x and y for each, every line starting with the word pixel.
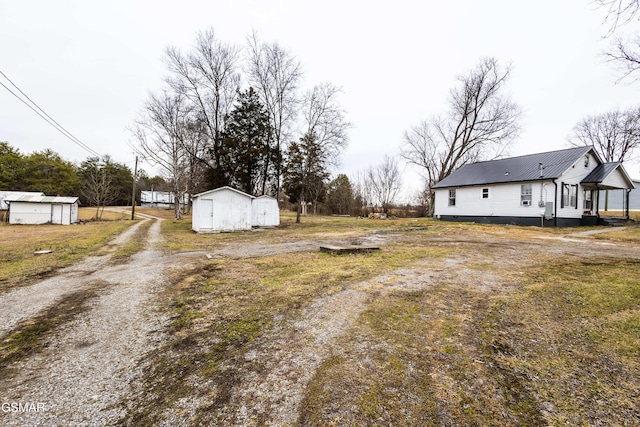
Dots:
pixel 569 196
pixel 586 161
pixel 485 193
pixel 452 197
pixel 588 200
pixel 573 200
pixel 525 194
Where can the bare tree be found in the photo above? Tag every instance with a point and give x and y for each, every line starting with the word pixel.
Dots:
pixel 384 179
pixel 324 118
pixel 162 133
pixel 208 77
pixel 276 74
pixel 625 49
pixel 361 192
pixel 482 122
pixel 98 188
pixel 615 135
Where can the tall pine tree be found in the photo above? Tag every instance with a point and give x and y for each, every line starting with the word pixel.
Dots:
pixel 247 139
pixel 305 168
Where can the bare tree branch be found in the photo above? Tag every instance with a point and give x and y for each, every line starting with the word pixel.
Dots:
pixel 481 123
pixel 275 73
pixel 615 135
pixel 385 183
pixel 324 118
pixel 162 132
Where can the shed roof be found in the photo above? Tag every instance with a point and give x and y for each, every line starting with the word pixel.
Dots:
pixel 226 187
pixel 35 198
pixel 5 194
pixel 516 169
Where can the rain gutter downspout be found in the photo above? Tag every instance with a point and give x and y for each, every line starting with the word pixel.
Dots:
pixel 597 203
pixel 555 204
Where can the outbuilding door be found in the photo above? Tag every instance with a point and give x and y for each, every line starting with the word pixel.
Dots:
pixel 206 214
pixel 56 214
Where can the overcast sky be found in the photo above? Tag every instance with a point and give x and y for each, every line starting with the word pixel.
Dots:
pixel 91 65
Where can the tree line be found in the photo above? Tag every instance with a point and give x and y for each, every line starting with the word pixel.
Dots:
pixel 97 181
pixel 102 182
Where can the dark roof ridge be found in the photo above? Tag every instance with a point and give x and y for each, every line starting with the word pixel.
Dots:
pixel 584 147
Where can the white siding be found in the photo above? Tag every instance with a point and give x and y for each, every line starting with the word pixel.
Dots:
pixel 29 213
pixel 195 214
pixel 222 209
pixel 573 176
pixel 43 213
pixel 616 179
pixel 265 212
pixel 503 200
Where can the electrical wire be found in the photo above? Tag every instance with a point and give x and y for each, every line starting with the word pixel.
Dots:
pixel 46 117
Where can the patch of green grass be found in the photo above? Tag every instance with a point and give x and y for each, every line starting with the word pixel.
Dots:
pixel 136 243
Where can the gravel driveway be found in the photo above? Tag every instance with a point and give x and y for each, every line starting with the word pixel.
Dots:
pixel 87 364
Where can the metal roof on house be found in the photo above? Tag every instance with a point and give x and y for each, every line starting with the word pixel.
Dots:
pixel 35 198
pixel 602 172
pixel 516 169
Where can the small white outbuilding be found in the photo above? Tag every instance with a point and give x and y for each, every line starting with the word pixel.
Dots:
pixel 222 209
pixel 265 212
pixel 40 209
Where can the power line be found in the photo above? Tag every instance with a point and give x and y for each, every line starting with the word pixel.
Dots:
pixel 46 117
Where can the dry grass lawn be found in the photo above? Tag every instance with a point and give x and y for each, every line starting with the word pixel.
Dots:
pixel 68 243
pixel 505 331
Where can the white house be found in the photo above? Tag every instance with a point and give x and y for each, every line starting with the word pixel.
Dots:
pixel 265 212
pixel 161 199
pixel 222 209
pixel 558 188
pixel 40 209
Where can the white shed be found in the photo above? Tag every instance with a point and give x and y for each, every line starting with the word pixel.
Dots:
pixel 222 209
pixel 265 212
pixel 37 209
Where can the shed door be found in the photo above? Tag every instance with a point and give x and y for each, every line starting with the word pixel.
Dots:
pixel 206 214
pixel 56 214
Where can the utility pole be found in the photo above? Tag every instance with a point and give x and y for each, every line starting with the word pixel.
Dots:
pixel 133 190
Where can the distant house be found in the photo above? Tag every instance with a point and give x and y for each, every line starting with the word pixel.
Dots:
pixel 265 212
pixel 222 209
pixel 161 199
pixel 41 209
pixel 558 188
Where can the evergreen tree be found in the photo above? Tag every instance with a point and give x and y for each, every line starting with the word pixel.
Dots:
pixel 340 195
pixel 305 167
pixel 12 168
pixel 247 136
pixel 47 172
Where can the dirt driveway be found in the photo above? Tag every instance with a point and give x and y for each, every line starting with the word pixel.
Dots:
pixel 93 359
